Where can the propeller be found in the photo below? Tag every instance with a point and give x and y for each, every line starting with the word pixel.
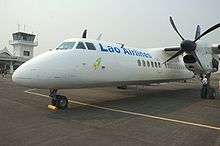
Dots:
pixel 174 27
pixel 84 34
pixel 189 46
pixel 198 31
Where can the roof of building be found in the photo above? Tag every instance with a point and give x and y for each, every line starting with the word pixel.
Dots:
pixel 7 56
pixel 5 52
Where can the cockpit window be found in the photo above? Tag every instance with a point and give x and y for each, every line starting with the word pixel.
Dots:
pixel 66 45
pixel 90 46
pixel 80 46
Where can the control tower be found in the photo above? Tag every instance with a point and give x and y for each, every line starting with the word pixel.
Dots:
pixel 23 44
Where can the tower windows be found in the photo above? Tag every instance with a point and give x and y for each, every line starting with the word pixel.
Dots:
pixel 26 53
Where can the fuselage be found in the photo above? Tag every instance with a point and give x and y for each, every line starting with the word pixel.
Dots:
pixel 79 63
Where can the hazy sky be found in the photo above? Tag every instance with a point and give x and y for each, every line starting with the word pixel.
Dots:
pixel 137 23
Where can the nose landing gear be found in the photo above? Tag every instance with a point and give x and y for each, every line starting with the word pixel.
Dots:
pixel 61 102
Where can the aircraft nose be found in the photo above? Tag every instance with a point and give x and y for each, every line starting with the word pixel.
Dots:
pixel 21 76
pixel 14 76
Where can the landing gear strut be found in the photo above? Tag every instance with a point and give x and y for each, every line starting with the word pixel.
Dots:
pixel 59 101
pixel 207 91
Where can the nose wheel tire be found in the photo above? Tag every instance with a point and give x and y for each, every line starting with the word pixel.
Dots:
pixel 60 102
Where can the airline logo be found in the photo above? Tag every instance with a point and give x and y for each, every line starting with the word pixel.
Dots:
pixel 125 51
pixel 97 63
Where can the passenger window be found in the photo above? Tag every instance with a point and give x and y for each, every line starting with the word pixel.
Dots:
pixel 80 46
pixel 139 62
pixel 143 62
pixel 152 64
pixel 159 64
pixel 155 64
pixel 148 63
pixel 90 46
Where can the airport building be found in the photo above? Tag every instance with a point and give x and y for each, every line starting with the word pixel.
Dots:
pixel 23 45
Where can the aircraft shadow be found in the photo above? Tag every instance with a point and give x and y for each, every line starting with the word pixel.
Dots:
pixel 149 101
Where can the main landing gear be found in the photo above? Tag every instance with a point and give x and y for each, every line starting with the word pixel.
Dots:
pixel 59 101
pixel 122 87
pixel 207 91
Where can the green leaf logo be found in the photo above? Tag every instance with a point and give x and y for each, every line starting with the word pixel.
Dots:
pixel 97 63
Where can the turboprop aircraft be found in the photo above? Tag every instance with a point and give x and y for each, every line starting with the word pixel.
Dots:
pixel 87 63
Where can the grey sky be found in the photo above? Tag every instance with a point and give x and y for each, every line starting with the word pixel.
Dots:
pixel 137 23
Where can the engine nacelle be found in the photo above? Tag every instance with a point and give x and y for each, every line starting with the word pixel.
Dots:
pixel 192 64
pixel 209 64
pixel 207 55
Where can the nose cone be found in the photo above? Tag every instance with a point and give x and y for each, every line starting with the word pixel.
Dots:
pixel 14 76
pixel 22 76
pixel 43 71
pixel 33 73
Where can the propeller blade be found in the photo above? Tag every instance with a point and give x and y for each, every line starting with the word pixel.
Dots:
pixel 174 56
pixel 174 27
pixel 84 34
pixel 208 31
pixel 198 32
pixel 196 57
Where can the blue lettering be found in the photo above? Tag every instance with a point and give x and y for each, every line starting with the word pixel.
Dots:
pixel 117 50
pixel 145 55
pixel 149 56
pixel 141 54
pixel 102 48
pixel 126 51
pixel 110 49
pixel 136 52
pixel 132 52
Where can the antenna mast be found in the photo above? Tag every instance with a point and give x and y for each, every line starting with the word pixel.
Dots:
pixel 18 27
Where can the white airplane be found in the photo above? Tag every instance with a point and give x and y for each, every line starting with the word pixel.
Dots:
pixel 85 63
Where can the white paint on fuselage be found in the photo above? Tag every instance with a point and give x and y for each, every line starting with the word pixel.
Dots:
pixel 74 68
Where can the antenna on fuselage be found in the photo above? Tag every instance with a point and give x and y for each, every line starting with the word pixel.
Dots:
pixel 99 37
pixel 122 45
pixel 84 34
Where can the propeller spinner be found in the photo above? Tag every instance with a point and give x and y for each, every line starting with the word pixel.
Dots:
pixel 189 46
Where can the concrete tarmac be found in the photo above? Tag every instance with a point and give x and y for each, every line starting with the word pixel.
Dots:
pixel 157 115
